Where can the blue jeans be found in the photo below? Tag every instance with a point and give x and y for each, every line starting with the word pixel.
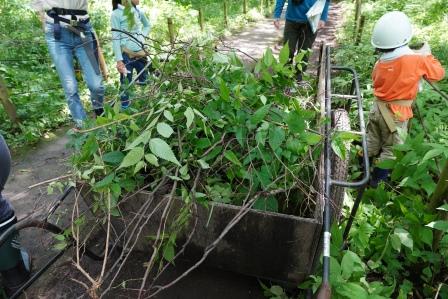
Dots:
pixel 137 64
pixel 62 52
pixel 6 210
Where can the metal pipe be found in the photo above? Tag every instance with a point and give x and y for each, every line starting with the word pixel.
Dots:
pixel 327 165
pixel 436 89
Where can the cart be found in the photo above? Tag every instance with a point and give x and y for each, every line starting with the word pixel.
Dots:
pixel 277 247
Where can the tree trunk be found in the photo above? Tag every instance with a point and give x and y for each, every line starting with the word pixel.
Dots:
pixel 441 193
pixel 10 109
pixel 437 199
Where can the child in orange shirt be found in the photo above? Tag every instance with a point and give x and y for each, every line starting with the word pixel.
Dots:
pixel 396 78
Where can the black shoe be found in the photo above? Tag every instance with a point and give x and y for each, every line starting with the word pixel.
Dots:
pixel 15 263
pixel 98 111
pixel 379 175
pixel 14 278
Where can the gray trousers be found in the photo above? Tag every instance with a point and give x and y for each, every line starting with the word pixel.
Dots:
pixel 299 37
pixel 380 141
pixel 6 210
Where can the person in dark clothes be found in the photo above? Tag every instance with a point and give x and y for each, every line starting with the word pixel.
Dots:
pixel 14 261
pixel 298 32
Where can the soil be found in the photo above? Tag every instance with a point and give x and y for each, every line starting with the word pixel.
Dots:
pixel 50 159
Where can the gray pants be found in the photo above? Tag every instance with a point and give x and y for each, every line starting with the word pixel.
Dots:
pixel 299 37
pixel 380 140
pixel 6 210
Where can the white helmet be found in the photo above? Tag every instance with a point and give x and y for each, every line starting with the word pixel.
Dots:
pixel 391 31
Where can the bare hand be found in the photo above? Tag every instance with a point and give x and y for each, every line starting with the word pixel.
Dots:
pixel 121 67
pixel 277 24
pixel 321 25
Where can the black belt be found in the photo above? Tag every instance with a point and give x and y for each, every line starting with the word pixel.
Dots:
pixel 64 11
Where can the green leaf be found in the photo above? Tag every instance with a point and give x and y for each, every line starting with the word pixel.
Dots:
pixel 105 182
pixel 313 138
pixel 59 237
pixel 351 290
pixel 387 164
pixel 426 235
pixel 162 150
pixel 443 208
pixel 439 225
pixel 260 114
pixel 395 242
pixel 277 290
pixel 168 252
pixel 405 237
pixel 276 137
pixel 284 54
pixel 224 91
pixel 142 138
pixel 351 263
pixel 263 99
pixel 268 58
pixel 339 148
pixel 152 159
pixel 267 77
pixel 189 114
pixel 133 157
pixel 203 164
pixel 60 245
pixel 295 122
pixel 432 154
pixel 168 115
pixel 164 129
pixel 140 165
pixel 113 157
pixel 230 155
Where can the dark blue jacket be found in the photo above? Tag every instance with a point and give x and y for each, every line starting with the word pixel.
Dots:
pixel 297 13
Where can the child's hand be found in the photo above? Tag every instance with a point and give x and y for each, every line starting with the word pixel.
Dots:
pixel 121 67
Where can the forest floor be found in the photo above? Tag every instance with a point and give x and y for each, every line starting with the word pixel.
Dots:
pixel 50 159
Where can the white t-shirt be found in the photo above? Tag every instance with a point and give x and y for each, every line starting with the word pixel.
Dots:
pixel 43 5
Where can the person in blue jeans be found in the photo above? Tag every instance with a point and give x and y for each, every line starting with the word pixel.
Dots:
pixel 127 48
pixel 69 35
pixel 14 261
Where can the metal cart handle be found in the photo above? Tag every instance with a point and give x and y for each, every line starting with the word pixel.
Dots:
pixel 362 131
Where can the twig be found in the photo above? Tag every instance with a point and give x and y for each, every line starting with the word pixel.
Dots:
pixel 50 181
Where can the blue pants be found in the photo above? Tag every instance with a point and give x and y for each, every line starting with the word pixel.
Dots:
pixel 6 210
pixel 62 52
pixel 137 64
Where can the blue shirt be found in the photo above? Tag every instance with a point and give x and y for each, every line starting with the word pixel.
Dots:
pixel 297 13
pixel 139 31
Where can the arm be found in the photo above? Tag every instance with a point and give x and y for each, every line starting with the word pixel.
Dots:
pixel 278 8
pixel 432 69
pixel 145 22
pixel 116 36
pixel 324 15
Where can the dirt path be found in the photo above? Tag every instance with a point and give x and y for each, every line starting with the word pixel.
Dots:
pixel 253 43
pixel 49 159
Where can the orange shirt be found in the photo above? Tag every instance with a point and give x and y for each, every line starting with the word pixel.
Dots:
pixel 398 79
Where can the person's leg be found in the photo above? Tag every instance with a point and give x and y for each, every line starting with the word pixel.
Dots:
pixel 393 139
pixel 140 67
pixel 61 52
pixel 125 81
pixel 291 36
pixel 374 140
pixel 5 165
pixel 90 70
pixel 305 42
pixel 14 262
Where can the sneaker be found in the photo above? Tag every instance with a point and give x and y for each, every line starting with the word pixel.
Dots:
pixel 125 104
